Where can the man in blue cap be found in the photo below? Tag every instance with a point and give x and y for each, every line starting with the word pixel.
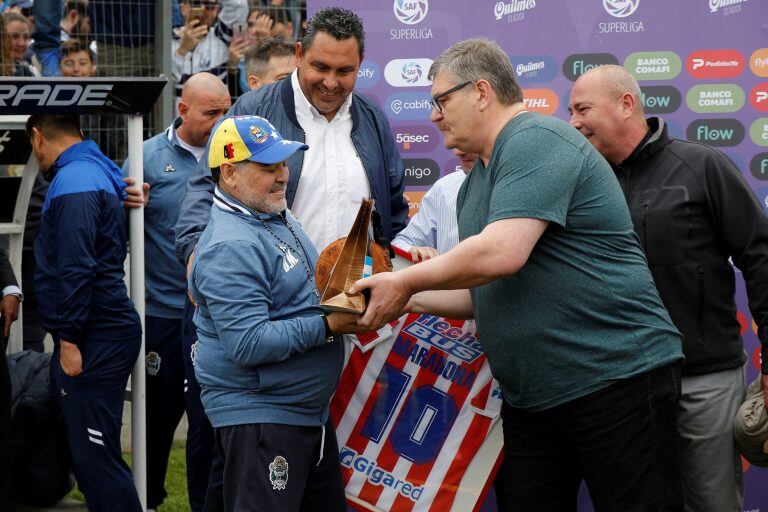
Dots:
pixel 268 359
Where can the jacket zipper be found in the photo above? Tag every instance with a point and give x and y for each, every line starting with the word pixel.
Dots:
pixel 645 229
pixel 702 296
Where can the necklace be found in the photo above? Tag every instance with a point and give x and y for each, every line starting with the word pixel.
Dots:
pixel 299 248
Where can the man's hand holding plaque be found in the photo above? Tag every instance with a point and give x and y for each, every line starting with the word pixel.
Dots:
pixel 348 259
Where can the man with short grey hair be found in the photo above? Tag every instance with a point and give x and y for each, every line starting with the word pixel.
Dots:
pixel 681 196
pixel 549 266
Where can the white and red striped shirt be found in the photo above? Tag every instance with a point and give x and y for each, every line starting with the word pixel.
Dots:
pixel 414 406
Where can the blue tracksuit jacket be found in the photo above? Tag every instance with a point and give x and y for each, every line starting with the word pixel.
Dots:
pixel 80 251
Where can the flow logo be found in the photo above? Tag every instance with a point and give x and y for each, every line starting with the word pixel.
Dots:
pixel 410 12
pixel 579 63
pixel 620 8
pixel 408 72
pixel 716 132
pixel 660 99
pixel 759 166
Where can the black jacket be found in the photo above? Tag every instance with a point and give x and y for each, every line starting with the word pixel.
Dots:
pixel 693 210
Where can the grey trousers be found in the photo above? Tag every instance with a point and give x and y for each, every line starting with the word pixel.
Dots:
pixel 712 478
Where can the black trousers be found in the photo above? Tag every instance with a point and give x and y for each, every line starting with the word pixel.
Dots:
pixel 621 439
pixel 5 426
pixel 270 467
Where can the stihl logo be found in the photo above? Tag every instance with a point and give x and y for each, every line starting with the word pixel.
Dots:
pixel 60 95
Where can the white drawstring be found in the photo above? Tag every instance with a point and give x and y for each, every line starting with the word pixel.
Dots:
pixel 322 447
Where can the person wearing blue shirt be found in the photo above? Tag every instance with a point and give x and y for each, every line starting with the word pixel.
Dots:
pixel 268 359
pixel 83 302
pixel 169 159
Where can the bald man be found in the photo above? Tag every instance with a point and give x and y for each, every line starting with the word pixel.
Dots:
pixel 692 210
pixel 169 159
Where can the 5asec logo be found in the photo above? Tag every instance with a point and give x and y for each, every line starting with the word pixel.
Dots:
pixel 411 12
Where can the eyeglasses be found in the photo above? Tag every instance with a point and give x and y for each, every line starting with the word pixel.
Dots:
pixel 435 101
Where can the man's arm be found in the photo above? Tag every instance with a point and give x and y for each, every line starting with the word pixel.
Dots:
pixel 445 303
pixel 501 249
pixel 10 298
pixel 421 231
pixel 745 232
pixel 195 210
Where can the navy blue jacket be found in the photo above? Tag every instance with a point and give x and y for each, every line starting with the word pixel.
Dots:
pixel 371 137
pixel 80 251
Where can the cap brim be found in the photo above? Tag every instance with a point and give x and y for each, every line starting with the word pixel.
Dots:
pixel 278 152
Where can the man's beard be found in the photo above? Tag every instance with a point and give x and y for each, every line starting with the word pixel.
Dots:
pixel 264 204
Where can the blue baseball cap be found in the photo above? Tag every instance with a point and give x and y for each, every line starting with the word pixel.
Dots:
pixel 252 138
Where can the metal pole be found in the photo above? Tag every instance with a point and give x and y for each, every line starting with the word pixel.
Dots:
pixel 164 63
pixel 138 377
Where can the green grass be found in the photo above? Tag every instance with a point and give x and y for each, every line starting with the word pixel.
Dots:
pixel 175 481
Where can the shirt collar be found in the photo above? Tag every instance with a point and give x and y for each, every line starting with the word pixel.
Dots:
pixel 229 204
pixel 303 104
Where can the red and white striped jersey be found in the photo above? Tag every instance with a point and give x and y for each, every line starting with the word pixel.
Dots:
pixel 415 404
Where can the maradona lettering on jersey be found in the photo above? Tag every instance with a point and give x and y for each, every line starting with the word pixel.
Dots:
pixel 376 475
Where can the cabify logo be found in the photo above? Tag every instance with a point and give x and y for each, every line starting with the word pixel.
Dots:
pixel 653 65
pixel 720 98
pixel 716 132
pixel 660 99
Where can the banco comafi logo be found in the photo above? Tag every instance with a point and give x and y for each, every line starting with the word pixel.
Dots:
pixel 620 8
pixel 411 12
pixel 411 72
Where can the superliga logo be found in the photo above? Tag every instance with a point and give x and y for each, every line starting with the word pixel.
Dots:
pixel 620 8
pixel 411 12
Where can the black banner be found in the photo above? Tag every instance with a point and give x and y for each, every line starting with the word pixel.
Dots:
pixel 14 147
pixel 47 95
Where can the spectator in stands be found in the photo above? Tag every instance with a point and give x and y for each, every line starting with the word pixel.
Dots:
pixel 203 44
pixel 169 159
pixel 125 33
pixel 433 229
pixel 270 21
pixel 75 23
pixel 10 298
pixel 271 60
pixel 95 328
pixel 77 59
pixel 18 29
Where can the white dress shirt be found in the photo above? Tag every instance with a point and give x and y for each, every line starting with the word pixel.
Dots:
pixel 333 181
pixel 435 224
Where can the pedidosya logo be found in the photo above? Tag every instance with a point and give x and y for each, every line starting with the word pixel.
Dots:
pixel 411 12
pixel 421 172
pixel 620 8
pixel 660 99
pixel 715 64
pixel 409 105
pixel 408 72
pixel 758 97
pixel 579 63
pixel 716 132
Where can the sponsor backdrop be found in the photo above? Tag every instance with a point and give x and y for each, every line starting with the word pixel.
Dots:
pixel 701 64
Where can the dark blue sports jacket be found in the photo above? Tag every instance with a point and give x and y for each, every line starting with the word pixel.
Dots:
pixel 80 251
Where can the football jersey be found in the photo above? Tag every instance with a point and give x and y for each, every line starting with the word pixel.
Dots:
pixel 415 403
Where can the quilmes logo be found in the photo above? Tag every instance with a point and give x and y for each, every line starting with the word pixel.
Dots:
pixel 408 72
pixel 349 458
pixel 409 105
pixel 410 12
pixel 512 11
pixel 579 63
pixel 759 166
pixel 418 139
pixel 720 98
pixel 620 8
pixel 421 172
pixel 758 62
pixel 543 101
pixel 758 132
pixel 653 65
pixel 715 64
pixel 728 6
pixel 534 68
pixel 368 74
pixel 758 97
pixel 660 99
pixel 716 132
pixel 60 95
